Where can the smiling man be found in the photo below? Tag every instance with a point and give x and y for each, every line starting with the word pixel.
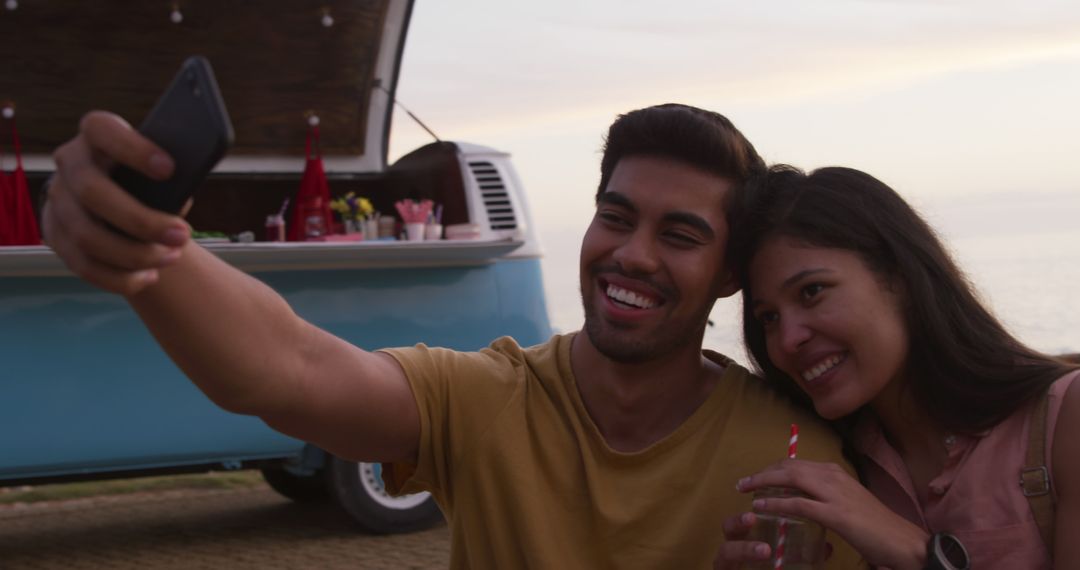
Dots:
pixel 618 447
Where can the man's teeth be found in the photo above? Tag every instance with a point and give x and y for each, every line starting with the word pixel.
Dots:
pixel 821 368
pixel 630 298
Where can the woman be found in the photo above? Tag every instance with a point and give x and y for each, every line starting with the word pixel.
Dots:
pixel 853 305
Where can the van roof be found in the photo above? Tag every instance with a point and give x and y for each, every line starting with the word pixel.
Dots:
pixel 276 62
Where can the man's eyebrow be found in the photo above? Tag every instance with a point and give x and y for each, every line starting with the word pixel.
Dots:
pixel 693 220
pixel 796 278
pixel 615 199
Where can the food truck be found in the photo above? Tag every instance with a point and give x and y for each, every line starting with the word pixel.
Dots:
pixel 86 393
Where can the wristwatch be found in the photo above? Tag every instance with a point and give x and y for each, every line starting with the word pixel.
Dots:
pixel 945 552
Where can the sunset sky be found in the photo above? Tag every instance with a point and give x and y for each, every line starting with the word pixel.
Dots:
pixel 968 109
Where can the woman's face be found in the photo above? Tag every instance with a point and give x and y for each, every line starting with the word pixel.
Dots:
pixel 830 323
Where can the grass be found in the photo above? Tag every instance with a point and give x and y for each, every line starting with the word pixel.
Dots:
pixel 66 491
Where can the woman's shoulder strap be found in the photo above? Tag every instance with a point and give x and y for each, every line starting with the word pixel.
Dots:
pixel 1035 475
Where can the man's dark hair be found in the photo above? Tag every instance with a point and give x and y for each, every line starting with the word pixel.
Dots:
pixel 700 138
pixel 964 368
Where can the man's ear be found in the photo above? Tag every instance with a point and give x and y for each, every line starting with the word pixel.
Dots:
pixel 728 286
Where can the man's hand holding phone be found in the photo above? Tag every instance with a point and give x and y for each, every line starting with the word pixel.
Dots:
pixel 114 206
pixel 84 205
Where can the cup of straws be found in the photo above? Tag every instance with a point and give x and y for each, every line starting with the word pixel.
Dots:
pixel 796 543
pixel 414 215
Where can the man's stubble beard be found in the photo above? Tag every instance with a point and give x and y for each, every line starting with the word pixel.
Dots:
pixel 641 350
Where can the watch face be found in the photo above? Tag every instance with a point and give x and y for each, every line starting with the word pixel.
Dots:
pixel 952 551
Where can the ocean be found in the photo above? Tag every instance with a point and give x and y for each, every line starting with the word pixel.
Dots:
pixel 1021 251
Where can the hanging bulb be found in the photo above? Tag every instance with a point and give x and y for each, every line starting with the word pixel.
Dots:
pixel 313 120
pixel 175 16
pixel 11 4
pixel 9 110
pixel 327 19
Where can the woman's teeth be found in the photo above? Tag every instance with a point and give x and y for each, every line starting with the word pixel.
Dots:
pixel 630 298
pixel 821 368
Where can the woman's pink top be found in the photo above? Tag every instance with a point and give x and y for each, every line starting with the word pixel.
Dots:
pixel 977 497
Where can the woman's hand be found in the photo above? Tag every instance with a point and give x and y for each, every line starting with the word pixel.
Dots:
pixel 840 503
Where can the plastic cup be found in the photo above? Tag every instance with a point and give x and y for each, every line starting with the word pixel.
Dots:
pixel 275 227
pixel 414 231
pixel 804 542
pixel 387 226
pixel 433 231
pixel 371 229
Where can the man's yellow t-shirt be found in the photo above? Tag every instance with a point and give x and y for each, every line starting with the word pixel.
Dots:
pixel 526 480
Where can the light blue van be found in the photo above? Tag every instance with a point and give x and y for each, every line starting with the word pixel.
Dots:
pixel 86 393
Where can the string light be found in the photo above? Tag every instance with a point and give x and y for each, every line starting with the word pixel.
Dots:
pixel 327 19
pixel 9 111
pixel 11 5
pixel 175 16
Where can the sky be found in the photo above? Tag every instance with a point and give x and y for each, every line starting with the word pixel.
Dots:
pixel 967 108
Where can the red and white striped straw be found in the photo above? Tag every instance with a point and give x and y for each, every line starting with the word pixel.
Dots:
pixel 778 558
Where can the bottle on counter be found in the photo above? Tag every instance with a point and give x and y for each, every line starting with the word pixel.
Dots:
pixel 314 220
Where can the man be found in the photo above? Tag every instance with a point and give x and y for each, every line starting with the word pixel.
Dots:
pixel 617 447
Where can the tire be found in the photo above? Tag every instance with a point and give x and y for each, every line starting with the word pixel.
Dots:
pixel 300 488
pixel 359 489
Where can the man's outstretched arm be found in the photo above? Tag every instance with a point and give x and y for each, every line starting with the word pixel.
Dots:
pixel 235 337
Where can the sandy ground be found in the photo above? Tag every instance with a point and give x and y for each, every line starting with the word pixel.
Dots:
pixel 244 528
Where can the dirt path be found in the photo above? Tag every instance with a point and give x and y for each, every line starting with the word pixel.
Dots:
pixel 241 529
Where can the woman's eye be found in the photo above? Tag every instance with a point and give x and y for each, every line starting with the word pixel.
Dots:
pixel 767 318
pixel 810 291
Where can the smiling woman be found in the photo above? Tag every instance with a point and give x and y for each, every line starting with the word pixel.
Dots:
pixel 850 300
pixel 802 292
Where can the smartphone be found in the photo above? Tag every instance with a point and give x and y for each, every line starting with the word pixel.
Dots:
pixel 190 123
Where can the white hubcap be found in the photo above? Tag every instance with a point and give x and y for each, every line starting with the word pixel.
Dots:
pixel 371 479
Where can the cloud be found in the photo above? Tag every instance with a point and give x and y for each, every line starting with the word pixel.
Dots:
pixel 817 72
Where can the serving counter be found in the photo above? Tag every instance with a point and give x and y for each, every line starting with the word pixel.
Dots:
pixel 40 261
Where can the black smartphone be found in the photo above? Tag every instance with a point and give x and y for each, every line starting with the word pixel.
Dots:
pixel 190 123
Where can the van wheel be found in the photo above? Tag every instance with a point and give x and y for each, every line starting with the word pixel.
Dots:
pixel 358 488
pixel 300 488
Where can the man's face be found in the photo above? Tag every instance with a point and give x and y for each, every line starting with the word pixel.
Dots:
pixel 652 261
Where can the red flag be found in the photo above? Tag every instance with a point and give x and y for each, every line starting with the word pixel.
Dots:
pixel 7 209
pixel 18 223
pixel 313 198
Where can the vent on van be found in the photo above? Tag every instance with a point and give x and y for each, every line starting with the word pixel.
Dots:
pixel 496 201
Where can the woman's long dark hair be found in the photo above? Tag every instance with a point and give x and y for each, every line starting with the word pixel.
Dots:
pixel 965 370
